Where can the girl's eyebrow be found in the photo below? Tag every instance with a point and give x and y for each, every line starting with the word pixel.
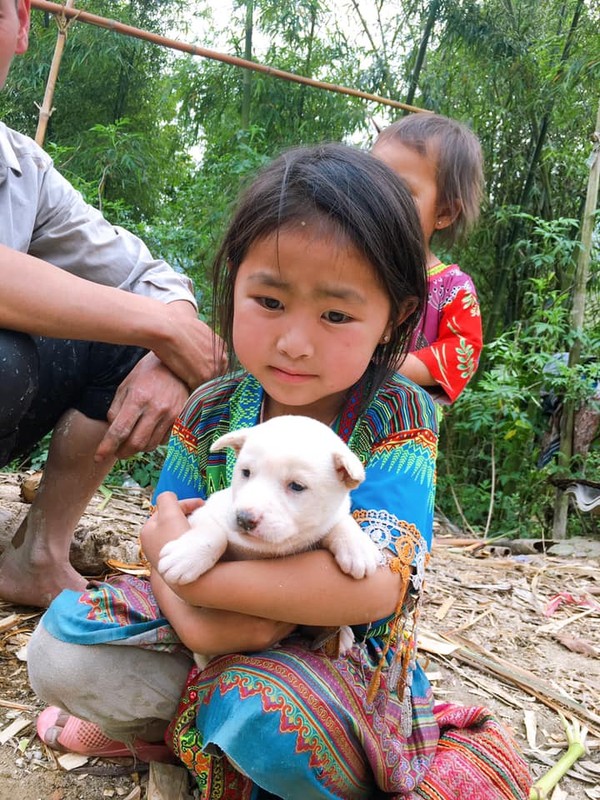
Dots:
pixel 268 279
pixel 324 290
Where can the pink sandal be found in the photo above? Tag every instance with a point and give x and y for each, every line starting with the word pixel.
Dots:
pixel 87 739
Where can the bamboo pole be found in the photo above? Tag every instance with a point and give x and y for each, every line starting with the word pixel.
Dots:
pixel 247 82
pixel 582 272
pixel 46 108
pixel 195 50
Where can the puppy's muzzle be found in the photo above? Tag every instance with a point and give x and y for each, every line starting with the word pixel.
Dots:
pixel 245 521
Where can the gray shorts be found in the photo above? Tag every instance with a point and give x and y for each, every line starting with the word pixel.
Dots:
pixel 128 691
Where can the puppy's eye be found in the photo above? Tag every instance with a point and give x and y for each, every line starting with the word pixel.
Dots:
pixel 296 487
pixel 246 472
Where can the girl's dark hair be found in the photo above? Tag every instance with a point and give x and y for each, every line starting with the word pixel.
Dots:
pixel 332 188
pixel 459 161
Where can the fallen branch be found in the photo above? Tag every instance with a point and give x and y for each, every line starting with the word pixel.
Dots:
pixel 475 656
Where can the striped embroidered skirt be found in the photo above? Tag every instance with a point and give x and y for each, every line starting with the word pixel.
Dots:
pixel 295 724
pixel 292 723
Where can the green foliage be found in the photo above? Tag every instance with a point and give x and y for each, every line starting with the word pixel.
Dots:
pixel 105 104
pixel 284 114
pixel 194 216
pixel 499 420
pixel 163 143
pixel 142 469
pixel 534 112
pixel 36 460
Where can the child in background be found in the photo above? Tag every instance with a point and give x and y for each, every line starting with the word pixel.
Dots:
pixel 441 162
pixel 319 284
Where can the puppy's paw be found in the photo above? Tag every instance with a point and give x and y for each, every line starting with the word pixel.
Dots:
pixel 346 635
pixel 184 559
pixel 357 556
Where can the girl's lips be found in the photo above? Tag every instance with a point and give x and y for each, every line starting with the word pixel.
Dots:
pixel 288 375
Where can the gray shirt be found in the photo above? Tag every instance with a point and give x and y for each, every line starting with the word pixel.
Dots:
pixel 43 215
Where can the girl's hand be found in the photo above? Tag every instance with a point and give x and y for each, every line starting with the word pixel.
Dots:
pixel 213 632
pixel 305 589
pixel 168 522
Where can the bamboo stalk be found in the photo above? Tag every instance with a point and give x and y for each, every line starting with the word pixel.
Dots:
pixel 576 749
pixel 247 82
pixel 46 108
pixel 582 272
pixel 506 243
pixel 422 51
pixel 195 50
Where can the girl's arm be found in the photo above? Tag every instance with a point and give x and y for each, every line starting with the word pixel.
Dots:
pixel 452 359
pixel 214 632
pixel 308 588
pixel 415 370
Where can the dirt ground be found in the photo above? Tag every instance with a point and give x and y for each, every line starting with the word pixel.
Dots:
pixel 517 632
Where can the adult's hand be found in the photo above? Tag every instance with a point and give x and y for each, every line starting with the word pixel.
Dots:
pixel 188 346
pixel 143 410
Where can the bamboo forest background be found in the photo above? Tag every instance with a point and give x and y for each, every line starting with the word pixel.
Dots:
pixel 161 142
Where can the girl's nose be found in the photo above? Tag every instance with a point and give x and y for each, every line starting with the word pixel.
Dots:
pixel 294 342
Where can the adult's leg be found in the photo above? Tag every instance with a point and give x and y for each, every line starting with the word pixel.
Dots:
pixel 75 385
pixel 19 368
pixel 35 566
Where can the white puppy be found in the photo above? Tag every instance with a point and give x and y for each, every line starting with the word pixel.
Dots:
pixel 290 492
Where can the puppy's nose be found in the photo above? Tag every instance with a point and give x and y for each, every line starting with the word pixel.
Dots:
pixel 245 521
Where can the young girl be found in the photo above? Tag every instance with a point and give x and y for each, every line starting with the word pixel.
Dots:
pixel 319 283
pixel 441 162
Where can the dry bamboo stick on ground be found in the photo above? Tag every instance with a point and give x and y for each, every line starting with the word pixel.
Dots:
pixel 475 656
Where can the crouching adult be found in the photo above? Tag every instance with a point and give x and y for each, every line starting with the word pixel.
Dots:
pixel 100 343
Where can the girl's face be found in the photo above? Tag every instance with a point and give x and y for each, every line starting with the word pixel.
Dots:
pixel 308 315
pixel 420 174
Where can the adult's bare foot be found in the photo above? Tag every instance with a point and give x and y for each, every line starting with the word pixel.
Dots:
pixel 34 584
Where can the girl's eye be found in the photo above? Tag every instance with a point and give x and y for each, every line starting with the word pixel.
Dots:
pixel 336 317
pixel 246 473
pixel 271 303
pixel 296 487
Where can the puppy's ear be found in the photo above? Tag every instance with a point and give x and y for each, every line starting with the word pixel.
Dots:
pixel 349 468
pixel 233 439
